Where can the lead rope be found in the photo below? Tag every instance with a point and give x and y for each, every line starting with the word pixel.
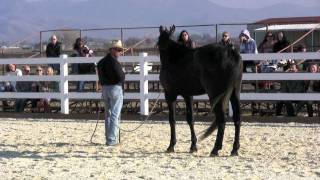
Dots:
pixel 97 89
pixel 125 130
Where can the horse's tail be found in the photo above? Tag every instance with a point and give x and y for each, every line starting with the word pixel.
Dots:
pixel 209 131
pixel 213 125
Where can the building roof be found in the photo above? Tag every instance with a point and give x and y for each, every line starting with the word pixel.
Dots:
pixel 290 20
pixel 290 27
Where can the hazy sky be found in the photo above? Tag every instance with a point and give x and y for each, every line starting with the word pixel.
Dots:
pixel 253 4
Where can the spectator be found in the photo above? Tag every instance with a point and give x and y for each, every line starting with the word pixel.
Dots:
pixel 49 86
pixel 292 86
pixel 281 43
pixel 186 40
pixel 302 64
pixel 81 50
pixel 54 50
pixel 37 87
pixel 226 41
pixel 311 86
pixel 23 86
pixel 266 46
pixel 12 70
pixel 247 46
pixel 111 77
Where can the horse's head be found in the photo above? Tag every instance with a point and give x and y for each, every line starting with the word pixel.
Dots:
pixel 165 37
pixel 171 52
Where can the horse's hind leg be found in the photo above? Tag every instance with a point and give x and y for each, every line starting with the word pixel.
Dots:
pixel 190 120
pixel 171 101
pixel 221 122
pixel 235 102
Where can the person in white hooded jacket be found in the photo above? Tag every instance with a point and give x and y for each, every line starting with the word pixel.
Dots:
pixel 247 44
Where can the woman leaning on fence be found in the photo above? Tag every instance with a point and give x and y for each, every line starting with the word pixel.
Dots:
pixel 81 50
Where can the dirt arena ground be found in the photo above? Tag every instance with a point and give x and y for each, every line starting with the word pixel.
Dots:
pixel 60 149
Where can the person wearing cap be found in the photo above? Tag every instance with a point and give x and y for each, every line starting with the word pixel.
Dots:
pixel 111 78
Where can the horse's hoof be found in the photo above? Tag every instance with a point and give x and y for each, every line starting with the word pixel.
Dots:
pixel 170 150
pixel 192 150
pixel 214 154
pixel 234 153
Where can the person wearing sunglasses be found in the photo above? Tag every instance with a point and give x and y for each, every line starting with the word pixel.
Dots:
pixel 23 86
pixel 111 78
pixel 226 41
pixel 37 86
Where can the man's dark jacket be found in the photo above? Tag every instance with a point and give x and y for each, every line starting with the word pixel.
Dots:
pixel 53 50
pixel 110 71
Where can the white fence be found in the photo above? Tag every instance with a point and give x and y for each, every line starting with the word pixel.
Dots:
pixel 64 95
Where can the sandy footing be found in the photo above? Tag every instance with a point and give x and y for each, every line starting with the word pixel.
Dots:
pixel 53 149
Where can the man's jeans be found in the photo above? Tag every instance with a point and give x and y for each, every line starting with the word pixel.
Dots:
pixel 113 100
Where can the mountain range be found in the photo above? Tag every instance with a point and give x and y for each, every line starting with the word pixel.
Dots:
pixel 21 19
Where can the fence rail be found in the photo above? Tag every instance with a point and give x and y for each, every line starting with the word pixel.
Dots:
pixel 144 96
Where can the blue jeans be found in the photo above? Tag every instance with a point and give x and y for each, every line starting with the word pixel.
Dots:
pixel 113 100
pixel 20 104
pixel 81 86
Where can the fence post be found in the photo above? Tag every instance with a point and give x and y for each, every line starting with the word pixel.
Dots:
pixel 144 101
pixel 64 87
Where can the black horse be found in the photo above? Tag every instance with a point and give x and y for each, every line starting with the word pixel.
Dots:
pixel 212 69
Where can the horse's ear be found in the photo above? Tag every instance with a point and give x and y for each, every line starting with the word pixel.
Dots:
pixel 161 29
pixel 172 29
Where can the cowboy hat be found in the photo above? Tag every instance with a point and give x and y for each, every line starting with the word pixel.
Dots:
pixel 116 44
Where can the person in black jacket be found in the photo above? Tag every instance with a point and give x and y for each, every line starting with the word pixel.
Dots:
pixel 54 50
pixel 82 50
pixel 226 41
pixel 111 78
pixel 281 43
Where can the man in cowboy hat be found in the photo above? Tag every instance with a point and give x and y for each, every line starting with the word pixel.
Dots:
pixel 111 78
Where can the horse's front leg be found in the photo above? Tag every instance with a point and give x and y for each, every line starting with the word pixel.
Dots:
pixel 190 120
pixel 171 101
